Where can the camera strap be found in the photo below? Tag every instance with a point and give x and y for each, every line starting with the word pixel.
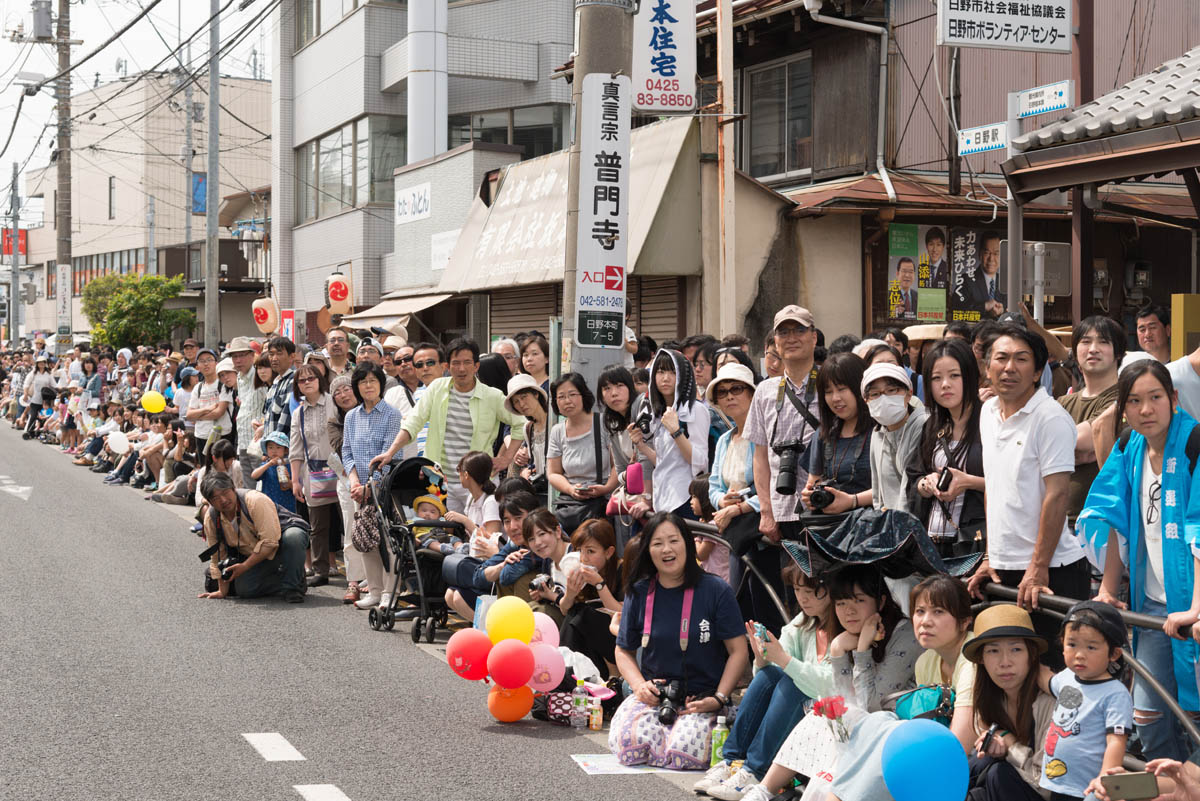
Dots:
pixel 785 390
pixel 684 620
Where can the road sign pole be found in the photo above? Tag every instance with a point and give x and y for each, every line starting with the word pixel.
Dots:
pixel 1015 213
pixel 1039 282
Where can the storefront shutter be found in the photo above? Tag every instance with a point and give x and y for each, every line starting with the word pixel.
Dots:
pixel 525 308
pixel 659 309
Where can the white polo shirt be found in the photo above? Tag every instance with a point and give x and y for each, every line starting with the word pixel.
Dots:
pixel 1018 453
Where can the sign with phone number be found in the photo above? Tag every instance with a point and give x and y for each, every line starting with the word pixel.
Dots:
pixel 664 56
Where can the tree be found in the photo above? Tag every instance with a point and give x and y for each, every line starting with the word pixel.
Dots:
pixel 97 294
pixel 135 313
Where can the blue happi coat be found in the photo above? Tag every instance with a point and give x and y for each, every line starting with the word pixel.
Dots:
pixel 1114 503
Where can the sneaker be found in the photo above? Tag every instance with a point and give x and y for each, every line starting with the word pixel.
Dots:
pixel 293 596
pixel 735 787
pixel 716 774
pixel 367 601
pixel 757 793
pixel 385 601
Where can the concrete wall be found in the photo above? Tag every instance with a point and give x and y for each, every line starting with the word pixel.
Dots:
pixel 829 263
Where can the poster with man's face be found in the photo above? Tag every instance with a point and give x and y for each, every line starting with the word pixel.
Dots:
pixel 976 286
pixel 917 273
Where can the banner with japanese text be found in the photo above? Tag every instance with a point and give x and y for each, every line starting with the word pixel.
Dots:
pixel 664 56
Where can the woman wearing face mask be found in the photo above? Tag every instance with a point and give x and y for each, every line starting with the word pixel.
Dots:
pixel 678 432
pixel 952 512
pixel 841 460
pixel 887 390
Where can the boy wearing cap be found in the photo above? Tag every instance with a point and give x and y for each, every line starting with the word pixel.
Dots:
pixel 273 474
pixel 209 405
pixel 888 392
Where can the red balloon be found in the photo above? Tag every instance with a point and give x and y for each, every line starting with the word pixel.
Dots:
pixel 467 653
pixel 510 663
pixel 509 706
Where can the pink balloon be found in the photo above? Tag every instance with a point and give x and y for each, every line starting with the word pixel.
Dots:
pixel 548 667
pixel 510 662
pixel 545 630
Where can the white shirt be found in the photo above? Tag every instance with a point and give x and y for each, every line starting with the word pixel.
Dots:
pixel 397 398
pixel 1187 383
pixel 1151 510
pixel 672 475
pixel 627 357
pixel 207 396
pixel 1018 453
pixel 481 511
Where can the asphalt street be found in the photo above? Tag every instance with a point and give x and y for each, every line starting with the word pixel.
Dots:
pixel 117 683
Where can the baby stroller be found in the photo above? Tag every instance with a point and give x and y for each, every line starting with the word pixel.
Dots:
pixel 416 582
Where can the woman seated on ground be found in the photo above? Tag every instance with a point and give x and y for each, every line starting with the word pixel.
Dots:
pixel 1007 766
pixel 546 543
pixel 593 595
pixel 467 578
pixel 694 670
pixel 788 672
pixel 872 658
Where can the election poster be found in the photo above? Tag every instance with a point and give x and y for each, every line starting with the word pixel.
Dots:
pixel 918 273
pixel 976 285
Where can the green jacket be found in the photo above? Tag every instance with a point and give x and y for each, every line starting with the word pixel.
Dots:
pixel 487 413
pixel 814 677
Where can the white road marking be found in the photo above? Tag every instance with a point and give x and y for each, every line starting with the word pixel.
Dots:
pixel 320 792
pixel 20 492
pixel 274 747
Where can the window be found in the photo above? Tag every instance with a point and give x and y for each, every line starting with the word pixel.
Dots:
pixel 459 129
pixel 388 150
pixel 780 119
pixel 306 181
pixel 335 174
pixel 540 129
pixel 490 127
pixel 349 167
pixel 315 17
pixel 112 197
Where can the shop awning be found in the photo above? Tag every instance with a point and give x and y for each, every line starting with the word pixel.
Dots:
pixel 393 314
pixel 520 239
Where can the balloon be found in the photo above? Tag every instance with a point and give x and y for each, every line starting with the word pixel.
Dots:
pixel 510 618
pixel 544 629
pixel 548 667
pixel 154 402
pixel 467 653
pixel 909 752
pixel 509 706
pixel 511 663
pixel 118 443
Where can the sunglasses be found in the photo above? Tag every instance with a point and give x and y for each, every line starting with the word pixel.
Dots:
pixel 424 365
pixel 403 360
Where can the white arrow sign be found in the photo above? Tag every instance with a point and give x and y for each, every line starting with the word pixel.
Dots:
pixel 21 492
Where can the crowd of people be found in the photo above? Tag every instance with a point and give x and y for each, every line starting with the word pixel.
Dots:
pixel 1063 467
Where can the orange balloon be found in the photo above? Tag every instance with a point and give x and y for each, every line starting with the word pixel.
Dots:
pixel 509 706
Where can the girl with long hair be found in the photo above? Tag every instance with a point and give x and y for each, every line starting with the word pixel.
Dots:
pixel 592 595
pixel 841 458
pixel 678 432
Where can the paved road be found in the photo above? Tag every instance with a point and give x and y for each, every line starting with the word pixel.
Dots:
pixel 116 682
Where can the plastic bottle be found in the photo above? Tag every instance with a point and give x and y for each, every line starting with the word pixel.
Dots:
pixel 595 715
pixel 579 702
pixel 720 733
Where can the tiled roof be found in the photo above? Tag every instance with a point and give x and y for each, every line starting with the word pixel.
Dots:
pixel 1167 95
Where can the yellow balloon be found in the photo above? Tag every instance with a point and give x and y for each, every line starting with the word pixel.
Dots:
pixel 154 402
pixel 510 618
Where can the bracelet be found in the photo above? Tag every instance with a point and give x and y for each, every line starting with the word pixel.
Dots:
pixel 721 697
pixel 678 433
pixel 855 496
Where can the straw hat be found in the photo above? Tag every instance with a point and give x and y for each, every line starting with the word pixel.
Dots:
pixel 925 331
pixel 1002 622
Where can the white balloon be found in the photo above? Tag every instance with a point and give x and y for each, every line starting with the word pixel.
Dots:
pixel 118 443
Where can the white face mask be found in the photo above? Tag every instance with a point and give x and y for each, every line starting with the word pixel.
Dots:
pixel 888 409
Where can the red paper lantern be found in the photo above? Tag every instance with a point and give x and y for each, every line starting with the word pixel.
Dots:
pixel 338 294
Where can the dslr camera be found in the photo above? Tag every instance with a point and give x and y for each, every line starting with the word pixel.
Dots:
pixel 671 700
pixel 226 565
pixel 643 421
pixel 821 496
pixel 789 458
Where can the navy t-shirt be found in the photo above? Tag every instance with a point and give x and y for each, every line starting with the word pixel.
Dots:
pixel 716 617
pixel 849 474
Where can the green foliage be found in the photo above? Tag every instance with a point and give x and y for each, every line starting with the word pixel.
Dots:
pixel 135 314
pixel 97 294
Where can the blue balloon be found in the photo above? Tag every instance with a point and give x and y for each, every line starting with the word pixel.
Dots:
pixel 923 761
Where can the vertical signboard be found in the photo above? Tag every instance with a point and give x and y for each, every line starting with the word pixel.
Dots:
pixel 664 56
pixel 603 243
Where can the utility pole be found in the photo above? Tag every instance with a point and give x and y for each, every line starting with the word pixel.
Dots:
pixel 151 252
pixel 725 178
pixel 189 119
pixel 62 210
pixel 212 292
pixel 14 312
pixel 1083 219
pixel 605 45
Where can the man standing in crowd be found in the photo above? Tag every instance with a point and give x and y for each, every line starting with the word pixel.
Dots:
pixel 1154 332
pixel 1028 457
pixel 242 355
pixel 404 396
pixel 1185 375
pixel 783 417
pixel 508 349
pixel 190 352
pixel 337 346
pixel 209 406
pixel 280 351
pixel 772 364
pixel 464 415
pixel 388 362
pixel 1098 344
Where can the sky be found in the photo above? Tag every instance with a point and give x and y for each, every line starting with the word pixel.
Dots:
pixel 94 21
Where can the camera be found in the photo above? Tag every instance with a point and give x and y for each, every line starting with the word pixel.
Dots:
pixel 643 420
pixel 789 459
pixel 226 565
pixel 820 497
pixel 671 700
pixel 944 480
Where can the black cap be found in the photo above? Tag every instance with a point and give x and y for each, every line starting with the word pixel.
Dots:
pixel 1110 623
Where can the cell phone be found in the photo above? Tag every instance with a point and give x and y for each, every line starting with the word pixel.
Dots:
pixel 1130 786
pixel 746 492
pixel 987 737
pixel 944 480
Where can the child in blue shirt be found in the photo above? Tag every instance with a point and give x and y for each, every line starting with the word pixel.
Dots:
pixel 1094 711
pixel 274 478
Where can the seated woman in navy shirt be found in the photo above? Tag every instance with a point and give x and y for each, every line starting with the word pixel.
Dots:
pixel 705 659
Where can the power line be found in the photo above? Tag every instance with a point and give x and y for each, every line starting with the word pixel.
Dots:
pixel 90 55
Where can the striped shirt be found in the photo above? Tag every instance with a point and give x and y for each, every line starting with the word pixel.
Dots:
pixel 458 428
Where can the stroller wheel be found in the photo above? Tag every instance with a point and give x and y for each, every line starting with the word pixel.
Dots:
pixel 389 619
pixel 416 630
pixel 430 630
pixel 373 618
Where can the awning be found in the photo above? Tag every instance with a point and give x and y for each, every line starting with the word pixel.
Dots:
pixel 393 315
pixel 521 238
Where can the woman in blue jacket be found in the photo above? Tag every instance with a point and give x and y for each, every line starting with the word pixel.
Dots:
pixel 1147 494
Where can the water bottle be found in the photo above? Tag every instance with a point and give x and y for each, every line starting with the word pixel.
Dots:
pixel 719 735
pixel 579 709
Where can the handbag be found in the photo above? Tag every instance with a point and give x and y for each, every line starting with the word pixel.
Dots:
pixel 322 481
pixel 927 702
pixel 572 513
pixel 367 530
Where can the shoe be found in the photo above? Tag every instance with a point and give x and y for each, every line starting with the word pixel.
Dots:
pixel 351 595
pixel 84 461
pixel 293 596
pixel 367 601
pixel 759 793
pixel 716 774
pixel 385 602
pixel 151 487
pixel 111 479
pixel 735 787
pixel 309 572
pixel 317 581
pixel 408 613
pixel 197 528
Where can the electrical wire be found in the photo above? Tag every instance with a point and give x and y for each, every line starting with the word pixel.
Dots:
pixel 137 17
pixel 992 199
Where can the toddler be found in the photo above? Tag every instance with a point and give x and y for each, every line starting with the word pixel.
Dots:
pixel 274 479
pixel 1094 711
pixel 431 507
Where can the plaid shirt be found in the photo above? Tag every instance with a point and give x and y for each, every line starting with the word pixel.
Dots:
pixel 366 435
pixel 17 379
pixel 278 407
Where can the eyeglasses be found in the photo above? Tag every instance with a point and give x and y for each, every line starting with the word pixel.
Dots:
pixel 872 394
pixel 731 391
pixel 425 364
pixel 306 379
pixel 701 363
pixel 772 356
pixel 791 330
pixel 569 396
pixel 1152 513
pixel 336 340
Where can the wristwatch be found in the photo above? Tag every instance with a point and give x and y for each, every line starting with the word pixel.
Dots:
pixel 599 586
pixel 678 433
pixel 722 697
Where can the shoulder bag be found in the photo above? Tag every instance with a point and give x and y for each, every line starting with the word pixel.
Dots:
pixel 572 513
pixel 322 481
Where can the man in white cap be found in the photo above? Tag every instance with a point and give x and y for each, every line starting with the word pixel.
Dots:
pixel 242 355
pixel 210 405
pixel 888 392
pixel 783 418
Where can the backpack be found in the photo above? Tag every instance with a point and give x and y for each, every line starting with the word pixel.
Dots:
pixel 1191 449
pixel 287 519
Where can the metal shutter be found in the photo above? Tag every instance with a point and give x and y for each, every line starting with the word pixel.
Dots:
pixel 525 308
pixel 660 309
